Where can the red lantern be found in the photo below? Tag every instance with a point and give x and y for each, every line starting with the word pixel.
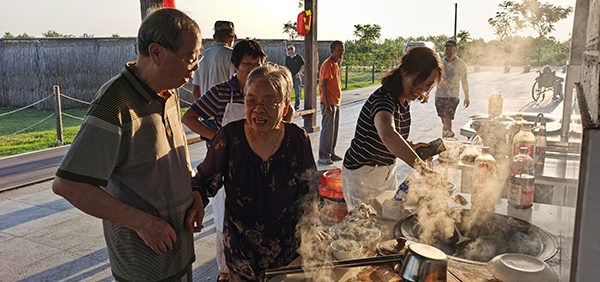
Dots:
pixel 303 24
pixel 169 4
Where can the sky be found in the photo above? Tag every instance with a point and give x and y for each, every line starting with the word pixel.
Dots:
pixel 264 19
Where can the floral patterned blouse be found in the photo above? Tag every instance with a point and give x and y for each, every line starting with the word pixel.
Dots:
pixel 262 204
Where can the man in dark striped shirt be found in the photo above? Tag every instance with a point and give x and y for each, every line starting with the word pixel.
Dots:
pixel 383 127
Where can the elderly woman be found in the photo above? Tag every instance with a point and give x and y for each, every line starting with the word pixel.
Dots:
pixel 261 161
pixel 383 127
pixel 225 102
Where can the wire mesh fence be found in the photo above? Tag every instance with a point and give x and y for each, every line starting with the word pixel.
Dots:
pixel 360 76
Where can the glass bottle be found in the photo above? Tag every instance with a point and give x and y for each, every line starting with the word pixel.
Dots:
pixel 525 138
pixel 514 130
pixel 486 165
pixel 521 186
pixel 485 168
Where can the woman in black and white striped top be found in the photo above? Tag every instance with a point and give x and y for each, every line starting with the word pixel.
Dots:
pixel 383 126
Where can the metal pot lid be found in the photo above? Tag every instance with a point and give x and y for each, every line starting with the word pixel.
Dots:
pixel 520 267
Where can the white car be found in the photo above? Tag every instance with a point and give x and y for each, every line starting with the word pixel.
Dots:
pixel 418 43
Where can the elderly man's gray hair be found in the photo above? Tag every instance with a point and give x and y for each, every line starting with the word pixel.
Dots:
pixel 165 27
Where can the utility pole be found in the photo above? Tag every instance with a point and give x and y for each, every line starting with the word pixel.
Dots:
pixel 311 57
pixel 455 16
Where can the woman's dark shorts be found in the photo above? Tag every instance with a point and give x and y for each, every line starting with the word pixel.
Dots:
pixel 446 107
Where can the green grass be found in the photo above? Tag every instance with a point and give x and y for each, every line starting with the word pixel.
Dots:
pixel 43 136
pixel 356 80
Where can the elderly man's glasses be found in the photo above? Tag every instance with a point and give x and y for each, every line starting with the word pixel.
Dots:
pixel 191 64
pixel 269 105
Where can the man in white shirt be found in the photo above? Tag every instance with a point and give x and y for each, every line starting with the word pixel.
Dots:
pixel 216 65
pixel 447 95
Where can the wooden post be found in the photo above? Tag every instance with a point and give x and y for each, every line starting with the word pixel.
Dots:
pixel 373 74
pixel 58 114
pixel 145 5
pixel 346 87
pixel 311 56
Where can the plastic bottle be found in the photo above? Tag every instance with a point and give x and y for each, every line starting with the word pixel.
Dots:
pixel 402 191
pixel 525 138
pixel 495 105
pixel 540 146
pixel 521 186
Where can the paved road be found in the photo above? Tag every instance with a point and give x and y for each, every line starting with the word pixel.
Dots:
pixel 25 169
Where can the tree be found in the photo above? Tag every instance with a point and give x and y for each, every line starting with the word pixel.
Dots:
pixel 290 29
pixel 85 34
pixel 542 16
pixel 367 33
pixel 463 37
pixel 53 33
pixel 23 35
pixel 115 35
pixel 513 16
pixel 507 21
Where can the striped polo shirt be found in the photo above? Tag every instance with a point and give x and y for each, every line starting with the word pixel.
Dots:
pixel 366 147
pixel 132 144
pixel 214 101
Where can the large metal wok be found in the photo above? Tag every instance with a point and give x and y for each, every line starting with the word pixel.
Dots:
pixel 496 235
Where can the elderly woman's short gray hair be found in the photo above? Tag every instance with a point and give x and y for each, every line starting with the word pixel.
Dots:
pixel 279 77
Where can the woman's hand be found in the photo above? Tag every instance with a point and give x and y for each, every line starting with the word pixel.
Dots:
pixel 424 98
pixel 195 215
pixel 419 145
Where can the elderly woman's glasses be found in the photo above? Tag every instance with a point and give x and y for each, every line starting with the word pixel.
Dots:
pixel 192 64
pixel 270 105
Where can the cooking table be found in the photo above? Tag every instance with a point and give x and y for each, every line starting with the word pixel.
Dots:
pixel 548 217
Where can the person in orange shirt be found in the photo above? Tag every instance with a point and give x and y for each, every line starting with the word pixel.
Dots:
pixel 330 85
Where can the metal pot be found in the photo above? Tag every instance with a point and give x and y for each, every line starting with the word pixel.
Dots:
pixel 423 263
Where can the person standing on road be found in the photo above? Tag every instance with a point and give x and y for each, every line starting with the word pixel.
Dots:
pixel 383 126
pixel 295 63
pixel 447 95
pixel 330 85
pixel 129 163
pixel 216 65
